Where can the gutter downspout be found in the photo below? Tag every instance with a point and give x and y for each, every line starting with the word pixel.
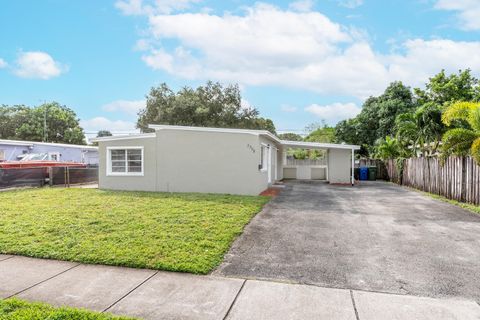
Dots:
pixel 353 167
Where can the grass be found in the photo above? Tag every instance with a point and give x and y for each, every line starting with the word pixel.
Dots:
pixel 15 309
pixel 176 232
pixel 467 206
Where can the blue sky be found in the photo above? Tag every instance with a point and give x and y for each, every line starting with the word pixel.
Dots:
pixel 298 62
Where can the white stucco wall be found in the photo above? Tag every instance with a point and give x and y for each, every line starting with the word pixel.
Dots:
pixel 339 165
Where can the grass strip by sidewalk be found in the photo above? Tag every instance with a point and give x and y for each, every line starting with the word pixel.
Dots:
pixel 16 309
pixel 176 232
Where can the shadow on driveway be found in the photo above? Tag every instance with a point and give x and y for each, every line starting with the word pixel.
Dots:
pixel 376 236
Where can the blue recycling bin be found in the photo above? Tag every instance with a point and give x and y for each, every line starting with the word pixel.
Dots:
pixel 363 173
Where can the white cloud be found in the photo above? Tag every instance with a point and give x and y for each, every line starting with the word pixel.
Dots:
pixel 351 4
pixel 468 11
pixel 302 5
pixel 102 123
pixel 335 112
pixel 39 65
pixel 270 46
pixel 245 104
pixel 127 106
pixel 287 108
pixel 140 7
pixel 3 63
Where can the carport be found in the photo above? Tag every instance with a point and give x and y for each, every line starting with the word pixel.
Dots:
pixel 335 166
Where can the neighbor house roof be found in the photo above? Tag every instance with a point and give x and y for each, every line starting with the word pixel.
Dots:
pixel 32 143
pixel 265 133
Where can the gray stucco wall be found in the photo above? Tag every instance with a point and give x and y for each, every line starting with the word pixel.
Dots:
pixel 209 162
pixel 147 182
pixel 339 165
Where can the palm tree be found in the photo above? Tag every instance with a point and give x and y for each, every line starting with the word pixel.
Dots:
pixel 387 148
pixel 421 130
pixel 462 140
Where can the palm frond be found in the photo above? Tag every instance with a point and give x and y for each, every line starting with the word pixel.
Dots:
pixel 475 150
pixel 457 141
pixel 458 111
pixel 474 118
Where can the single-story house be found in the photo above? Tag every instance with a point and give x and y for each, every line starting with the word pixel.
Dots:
pixel 212 160
pixel 13 150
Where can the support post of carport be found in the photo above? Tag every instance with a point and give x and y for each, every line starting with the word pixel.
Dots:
pixel 353 167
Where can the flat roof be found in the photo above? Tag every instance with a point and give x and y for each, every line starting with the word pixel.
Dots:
pixel 210 129
pixel 318 145
pixel 32 143
pixel 124 137
pixel 288 144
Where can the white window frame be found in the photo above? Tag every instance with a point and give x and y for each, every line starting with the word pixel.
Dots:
pixel 126 173
pixel 3 155
pixel 264 163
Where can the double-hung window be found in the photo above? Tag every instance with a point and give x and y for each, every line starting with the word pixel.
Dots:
pixel 125 161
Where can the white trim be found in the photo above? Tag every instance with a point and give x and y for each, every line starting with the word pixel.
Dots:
pixel 124 137
pixel 269 164
pixel 319 145
pixel 33 143
pixel 210 129
pixel 353 167
pixel 109 172
pixel 259 133
pixel 264 167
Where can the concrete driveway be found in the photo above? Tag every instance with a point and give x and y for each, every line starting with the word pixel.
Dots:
pixel 373 237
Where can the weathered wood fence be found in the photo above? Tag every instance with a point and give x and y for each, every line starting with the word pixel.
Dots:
pixel 458 178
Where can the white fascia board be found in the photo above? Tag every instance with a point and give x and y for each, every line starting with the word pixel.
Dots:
pixel 319 145
pixel 210 129
pixel 53 144
pixel 16 143
pixel 124 137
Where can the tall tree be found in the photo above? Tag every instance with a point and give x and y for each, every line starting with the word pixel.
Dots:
pixel 49 122
pixel 290 136
pixel 11 118
pixel 445 89
pixel 104 133
pixel 377 118
pixel 211 105
pixel 422 129
pixel 320 133
pixel 463 140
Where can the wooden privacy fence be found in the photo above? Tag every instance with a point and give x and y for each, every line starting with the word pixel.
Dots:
pixel 458 178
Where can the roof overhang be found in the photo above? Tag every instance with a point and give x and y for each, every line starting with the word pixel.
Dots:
pixel 318 145
pixel 124 137
pixel 53 144
pixel 264 133
pixel 210 129
pixel 16 143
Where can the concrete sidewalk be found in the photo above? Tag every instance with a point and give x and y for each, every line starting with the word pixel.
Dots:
pixel 151 294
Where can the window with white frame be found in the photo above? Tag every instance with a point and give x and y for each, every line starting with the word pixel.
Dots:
pixel 2 154
pixel 125 161
pixel 263 157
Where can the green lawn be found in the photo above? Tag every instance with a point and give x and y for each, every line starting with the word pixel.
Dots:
pixel 15 309
pixel 177 232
